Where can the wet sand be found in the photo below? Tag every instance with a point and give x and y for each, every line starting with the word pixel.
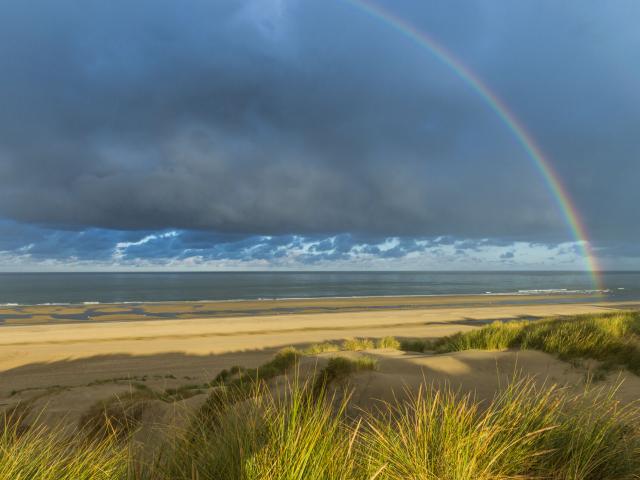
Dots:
pixel 84 313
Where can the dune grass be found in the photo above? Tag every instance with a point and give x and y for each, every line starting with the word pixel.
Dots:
pixel 294 435
pixel 50 454
pixel 388 342
pixel 352 344
pixel 323 347
pixel 339 368
pixel 415 345
pixel 279 365
pixel 525 432
pixel 254 427
pixel 115 418
pixel 613 339
pixel 355 344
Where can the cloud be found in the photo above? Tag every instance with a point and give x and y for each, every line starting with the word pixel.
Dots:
pixel 273 120
pixel 36 248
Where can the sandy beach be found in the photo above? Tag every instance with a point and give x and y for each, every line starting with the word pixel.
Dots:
pixel 70 366
pixel 129 312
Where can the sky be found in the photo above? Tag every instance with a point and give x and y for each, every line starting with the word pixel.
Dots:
pixel 302 134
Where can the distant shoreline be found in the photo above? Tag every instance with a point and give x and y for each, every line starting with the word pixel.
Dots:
pixel 519 293
pixel 54 314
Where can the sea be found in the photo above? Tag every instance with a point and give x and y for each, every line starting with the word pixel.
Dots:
pixel 90 288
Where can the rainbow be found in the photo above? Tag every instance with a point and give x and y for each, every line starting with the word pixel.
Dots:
pixel 543 165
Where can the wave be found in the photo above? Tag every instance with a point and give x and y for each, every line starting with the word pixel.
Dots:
pixel 546 291
pixel 530 292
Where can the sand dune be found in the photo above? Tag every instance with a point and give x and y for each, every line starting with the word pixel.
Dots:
pixel 70 367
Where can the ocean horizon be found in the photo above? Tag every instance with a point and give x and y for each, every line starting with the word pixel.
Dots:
pixel 145 287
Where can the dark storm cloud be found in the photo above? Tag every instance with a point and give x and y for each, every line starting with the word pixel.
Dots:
pixel 46 243
pixel 297 118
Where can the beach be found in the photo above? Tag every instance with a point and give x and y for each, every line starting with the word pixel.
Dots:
pixel 70 366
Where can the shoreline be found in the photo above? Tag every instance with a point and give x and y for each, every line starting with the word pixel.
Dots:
pixel 82 314
pixel 519 293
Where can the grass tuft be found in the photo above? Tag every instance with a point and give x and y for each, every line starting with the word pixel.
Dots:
pixel 356 344
pixel 51 454
pixel 340 368
pixel 279 365
pixel 525 432
pixel 323 347
pixel 291 436
pixel 183 392
pixel 388 342
pixel 353 344
pixel 415 345
pixel 116 418
pixel 613 339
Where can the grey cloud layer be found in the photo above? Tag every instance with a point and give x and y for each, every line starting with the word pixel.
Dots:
pixel 294 117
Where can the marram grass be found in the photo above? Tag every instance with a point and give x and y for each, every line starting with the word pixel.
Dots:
pixel 388 342
pixel 358 344
pixel 261 425
pixel 525 432
pixel 51 454
pixel 353 344
pixel 294 434
pixel 613 339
